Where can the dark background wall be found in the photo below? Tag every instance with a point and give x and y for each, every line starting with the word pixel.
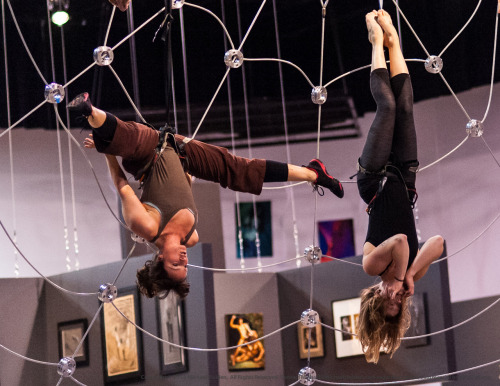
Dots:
pixel 55 307
pixel 334 281
pixel 244 293
pixel 31 311
pixel 477 341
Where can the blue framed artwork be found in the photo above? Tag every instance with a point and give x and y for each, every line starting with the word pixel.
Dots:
pixel 250 225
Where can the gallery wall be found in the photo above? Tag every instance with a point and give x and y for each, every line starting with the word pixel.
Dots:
pixel 35 334
pixel 457 198
pixel 337 281
pixel 280 297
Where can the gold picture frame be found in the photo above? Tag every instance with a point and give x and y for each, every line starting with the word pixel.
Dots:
pixel 121 341
pixel 310 341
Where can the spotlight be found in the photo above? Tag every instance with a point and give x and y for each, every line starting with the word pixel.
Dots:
pixel 58 9
pixel 60 17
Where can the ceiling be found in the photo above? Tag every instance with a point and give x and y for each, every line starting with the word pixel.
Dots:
pixel 254 99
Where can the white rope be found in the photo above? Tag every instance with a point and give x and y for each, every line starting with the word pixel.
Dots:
pixel 127 94
pixel 454 326
pixel 459 32
pixel 198 348
pixel 11 149
pixel 211 102
pixel 285 127
pixel 443 157
pixel 39 273
pixel 26 358
pixel 77 382
pixel 492 67
pixel 410 27
pixel 216 18
pixel 109 26
pixel 24 43
pixel 137 29
pixel 59 149
pixel 71 167
pixel 22 119
pixel 243 268
pixel 282 61
pixel 186 83
pixel 251 25
pixel 241 248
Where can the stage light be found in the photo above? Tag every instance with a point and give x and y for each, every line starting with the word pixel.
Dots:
pixel 58 10
pixel 60 17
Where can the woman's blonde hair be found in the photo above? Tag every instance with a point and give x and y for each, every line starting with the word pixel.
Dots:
pixel 378 331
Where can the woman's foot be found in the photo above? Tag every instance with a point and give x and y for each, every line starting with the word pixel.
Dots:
pixel 390 33
pixel 375 32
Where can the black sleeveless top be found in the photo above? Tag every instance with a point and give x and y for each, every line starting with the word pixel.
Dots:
pixel 167 190
pixel 392 214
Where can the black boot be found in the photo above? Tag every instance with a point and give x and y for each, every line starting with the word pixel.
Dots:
pixel 81 105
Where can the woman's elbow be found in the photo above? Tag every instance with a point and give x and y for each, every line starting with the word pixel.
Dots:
pixel 438 245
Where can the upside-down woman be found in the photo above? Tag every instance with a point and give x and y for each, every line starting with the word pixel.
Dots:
pixel 386 182
pixel 165 214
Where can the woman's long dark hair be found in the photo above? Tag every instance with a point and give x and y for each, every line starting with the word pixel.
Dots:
pixel 153 280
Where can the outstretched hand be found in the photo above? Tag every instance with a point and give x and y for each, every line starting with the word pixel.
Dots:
pixel 89 142
pixel 122 5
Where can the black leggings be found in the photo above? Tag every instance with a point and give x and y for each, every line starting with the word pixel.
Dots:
pixel 392 138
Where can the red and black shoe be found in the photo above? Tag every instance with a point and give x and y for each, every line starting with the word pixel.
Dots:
pixel 324 179
pixel 81 105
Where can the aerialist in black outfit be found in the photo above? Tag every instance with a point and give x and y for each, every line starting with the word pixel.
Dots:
pixel 386 182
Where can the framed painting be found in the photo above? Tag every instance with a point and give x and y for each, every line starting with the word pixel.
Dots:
pixel 121 341
pixel 336 238
pixel 253 220
pixel 310 341
pixel 345 320
pixel 241 329
pixel 70 334
pixel 170 312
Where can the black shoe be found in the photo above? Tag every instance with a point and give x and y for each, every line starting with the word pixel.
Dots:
pixel 324 179
pixel 81 105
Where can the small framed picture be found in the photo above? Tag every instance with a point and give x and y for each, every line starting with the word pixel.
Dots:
pixel 310 340
pixel 170 311
pixel 121 341
pixel 346 319
pixel 241 329
pixel 70 336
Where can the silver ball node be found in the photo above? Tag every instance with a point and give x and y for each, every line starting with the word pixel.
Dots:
pixel 319 95
pixel 233 58
pixel 309 318
pixel 307 376
pixel 54 93
pixel 177 4
pixel 434 64
pixel 137 238
pixel 474 128
pixel 103 56
pixel 313 254
pixel 66 367
pixel 107 293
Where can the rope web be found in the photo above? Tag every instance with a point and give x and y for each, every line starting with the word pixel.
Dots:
pixel 234 59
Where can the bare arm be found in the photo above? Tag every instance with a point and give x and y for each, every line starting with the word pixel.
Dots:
pixel 394 253
pixel 134 213
pixel 431 250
